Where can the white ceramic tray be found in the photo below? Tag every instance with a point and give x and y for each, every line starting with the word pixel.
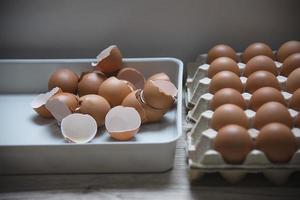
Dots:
pixel 30 144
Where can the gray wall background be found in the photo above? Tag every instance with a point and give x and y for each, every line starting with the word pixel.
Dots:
pixel 178 28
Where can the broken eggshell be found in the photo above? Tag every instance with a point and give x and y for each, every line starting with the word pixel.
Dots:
pixel 58 109
pixel 90 82
pixel 65 79
pixel 160 76
pixel 122 123
pixel 79 128
pixel 133 76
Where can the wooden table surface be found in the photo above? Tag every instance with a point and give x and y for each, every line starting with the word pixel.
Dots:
pixel 173 184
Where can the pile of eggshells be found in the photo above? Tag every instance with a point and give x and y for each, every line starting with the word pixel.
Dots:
pixel 272 119
pixel 112 95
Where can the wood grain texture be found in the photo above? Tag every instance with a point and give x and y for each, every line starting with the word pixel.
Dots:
pixel 173 184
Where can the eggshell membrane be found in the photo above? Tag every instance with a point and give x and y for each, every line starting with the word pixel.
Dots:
pixel 159 76
pixel 264 95
pixel 109 60
pixel 258 63
pixel 65 79
pixel 261 79
pixel 133 76
pixel 225 79
pixel 114 90
pixel 288 48
pixel 294 102
pixel 122 123
pixel 293 81
pixel 256 49
pixel 89 83
pixel 272 112
pixel 38 103
pixel 58 109
pixel 223 64
pixel 221 50
pixel 69 99
pixel 290 64
pixel 227 96
pixel 229 114
pixel 159 94
pixel 79 128
pixel 94 105
pixel 234 143
pixel 277 142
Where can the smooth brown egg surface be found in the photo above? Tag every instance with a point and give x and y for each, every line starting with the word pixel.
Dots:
pixel 290 64
pixel 89 83
pixel 293 81
pixel 256 49
pixel 258 63
pixel 287 49
pixel 277 142
pixel 225 79
pixel 228 114
pixel 65 79
pixel 69 99
pixel 234 143
pixel 272 112
pixel 223 64
pixel 264 95
pixel 294 102
pixel 227 96
pixel 221 50
pixel 261 79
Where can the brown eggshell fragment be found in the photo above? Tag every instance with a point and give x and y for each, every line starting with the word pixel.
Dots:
pixel 294 102
pixel 69 99
pixel 122 123
pixel 277 141
pixel 227 96
pixel 261 79
pixel 290 64
pixel 133 76
pixel 58 109
pixel 225 79
pixel 65 79
pixel 89 83
pixel 258 63
pixel 94 105
pixel 38 103
pixel 256 49
pixel 223 64
pixel 229 114
pixel 159 76
pixel 234 143
pixel 159 94
pixel 221 50
pixel 272 112
pixel 288 48
pixel 109 60
pixel 293 81
pixel 264 95
pixel 115 90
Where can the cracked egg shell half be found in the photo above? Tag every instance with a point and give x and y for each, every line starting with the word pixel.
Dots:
pixel 65 79
pixel 159 76
pixel 159 94
pixel 133 76
pixel 38 103
pixel 90 82
pixel 69 99
pixel 122 123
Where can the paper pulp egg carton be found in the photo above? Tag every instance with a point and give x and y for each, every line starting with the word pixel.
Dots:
pixel 202 158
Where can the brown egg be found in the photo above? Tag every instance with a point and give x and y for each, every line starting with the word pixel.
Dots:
pixel 227 96
pixel 277 142
pixel 221 50
pixel 264 95
pixel 288 48
pixel 65 79
pixel 294 102
pixel 160 76
pixel 94 105
pixel 234 143
pixel 225 79
pixel 223 64
pixel 272 112
pixel 256 49
pixel 69 99
pixel 90 82
pixel 159 94
pixel 109 60
pixel 261 79
pixel 115 90
pixel 258 63
pixel 228 114
pixel 290 64
pixel 133 76
pixel 293 81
